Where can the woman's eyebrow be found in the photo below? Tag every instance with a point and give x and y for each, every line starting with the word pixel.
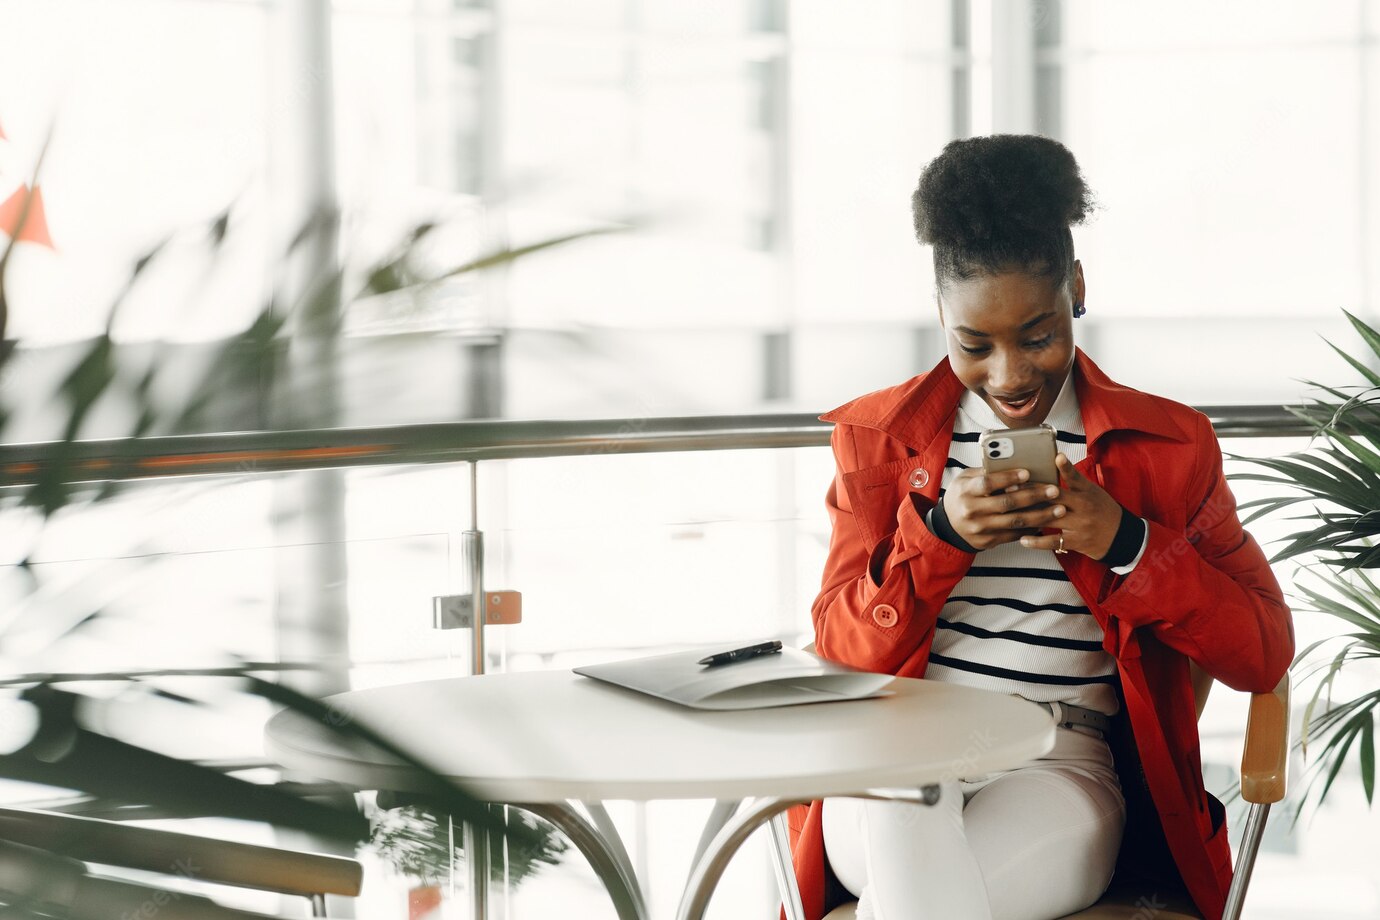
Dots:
pixel 1028 324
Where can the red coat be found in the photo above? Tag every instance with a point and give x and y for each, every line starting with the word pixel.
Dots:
pixel 1202 591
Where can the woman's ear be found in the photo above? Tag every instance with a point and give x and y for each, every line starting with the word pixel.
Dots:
pixel 1080 290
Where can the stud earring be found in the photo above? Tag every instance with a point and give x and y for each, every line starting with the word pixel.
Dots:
pixel 1079 309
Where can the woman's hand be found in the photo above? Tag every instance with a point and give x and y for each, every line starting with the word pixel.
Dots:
pixel 1091 520
pixel 988 509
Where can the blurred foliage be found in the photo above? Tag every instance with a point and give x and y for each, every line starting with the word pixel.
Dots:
pixel 1337 482
pixel 417 841
pixel 253 361
pixel 67 753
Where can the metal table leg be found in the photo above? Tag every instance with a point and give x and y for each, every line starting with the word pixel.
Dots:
pixel 615 873
pixel 710 868
pixel 718 816
pixel 604 824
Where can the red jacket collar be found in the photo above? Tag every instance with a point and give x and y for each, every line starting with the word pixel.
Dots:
pixel 922 408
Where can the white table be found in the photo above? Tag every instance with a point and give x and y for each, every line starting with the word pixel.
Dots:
pixel 544 739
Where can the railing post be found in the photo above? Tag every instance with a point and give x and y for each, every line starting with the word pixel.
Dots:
pixel 474 611
pixel 476 840
pixel 472 548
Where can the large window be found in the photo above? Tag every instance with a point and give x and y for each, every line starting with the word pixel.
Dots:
pixel 1233 147
pixel 760 152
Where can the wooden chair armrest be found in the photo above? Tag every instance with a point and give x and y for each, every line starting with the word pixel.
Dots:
pixel 224 862
pixel 1265 759
pixel 44 884
pixel 98 898
pixel 33 876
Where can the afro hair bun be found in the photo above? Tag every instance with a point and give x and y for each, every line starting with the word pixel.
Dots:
pixel 992 193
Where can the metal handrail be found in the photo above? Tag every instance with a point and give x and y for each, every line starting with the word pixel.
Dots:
pixel 450 442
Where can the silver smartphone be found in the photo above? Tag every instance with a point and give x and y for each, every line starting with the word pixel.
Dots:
pixel 1021 449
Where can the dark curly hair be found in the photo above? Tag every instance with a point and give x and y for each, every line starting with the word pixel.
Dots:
pixel 1001 203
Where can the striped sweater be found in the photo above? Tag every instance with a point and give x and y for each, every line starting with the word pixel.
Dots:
pixel 1014 623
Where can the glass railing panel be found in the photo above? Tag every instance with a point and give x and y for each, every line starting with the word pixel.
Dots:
pixel 615 554
pixel 645 551
pixel 172 573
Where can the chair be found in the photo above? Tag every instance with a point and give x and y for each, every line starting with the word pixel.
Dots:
pixel 1264 763
pixel 43 858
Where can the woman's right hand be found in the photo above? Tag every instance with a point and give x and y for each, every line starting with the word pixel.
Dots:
pixel 988 509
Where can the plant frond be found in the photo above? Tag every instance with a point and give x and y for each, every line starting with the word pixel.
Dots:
pixel 1366 372
pixel 1368 334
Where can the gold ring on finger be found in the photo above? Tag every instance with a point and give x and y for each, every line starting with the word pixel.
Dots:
pixel 1060 548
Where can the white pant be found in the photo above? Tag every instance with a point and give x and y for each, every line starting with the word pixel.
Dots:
pixel 1032 843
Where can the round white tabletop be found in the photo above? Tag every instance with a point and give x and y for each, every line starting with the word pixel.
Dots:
pixel 552 736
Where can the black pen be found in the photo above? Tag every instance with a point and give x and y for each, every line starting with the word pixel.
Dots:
pixel 739 654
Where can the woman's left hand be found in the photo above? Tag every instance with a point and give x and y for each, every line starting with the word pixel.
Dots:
pixel 1091 516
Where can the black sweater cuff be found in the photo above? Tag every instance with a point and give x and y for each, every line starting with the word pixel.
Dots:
pixel 1130 537
pixel 938 522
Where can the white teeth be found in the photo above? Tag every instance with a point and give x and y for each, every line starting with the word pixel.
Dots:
pixel 1017 405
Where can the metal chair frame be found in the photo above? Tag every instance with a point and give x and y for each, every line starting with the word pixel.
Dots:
pixel 1264 778
pixel 43 857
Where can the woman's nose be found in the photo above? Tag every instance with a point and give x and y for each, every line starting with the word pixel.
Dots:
pixel 1009 374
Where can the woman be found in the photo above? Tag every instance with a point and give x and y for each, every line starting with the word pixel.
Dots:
pixel 1099 594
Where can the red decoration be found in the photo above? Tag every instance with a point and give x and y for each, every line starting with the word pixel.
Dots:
pixel 35 229
pixel 424 902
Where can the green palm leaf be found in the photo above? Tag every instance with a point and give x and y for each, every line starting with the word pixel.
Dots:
pixel 1371 337
pixel 1324 684
pixel 1366 372
pixel 1369 458
pixel 1364 619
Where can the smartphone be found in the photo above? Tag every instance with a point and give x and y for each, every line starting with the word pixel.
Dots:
pixel 1021 449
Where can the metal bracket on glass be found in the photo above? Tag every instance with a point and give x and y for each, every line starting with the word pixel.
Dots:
pixel 456 611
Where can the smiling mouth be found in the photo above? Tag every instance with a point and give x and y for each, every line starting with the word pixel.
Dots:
pixel 1016 406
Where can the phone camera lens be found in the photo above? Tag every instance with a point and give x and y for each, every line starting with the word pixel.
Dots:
pixel 994 454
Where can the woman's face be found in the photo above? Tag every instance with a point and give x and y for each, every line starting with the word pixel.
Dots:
pixel 1010 340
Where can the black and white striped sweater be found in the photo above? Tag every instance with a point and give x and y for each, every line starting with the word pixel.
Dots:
pixel 1014 623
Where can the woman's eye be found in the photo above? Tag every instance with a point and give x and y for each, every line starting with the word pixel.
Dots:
pixel 978 350
pixel 1040 343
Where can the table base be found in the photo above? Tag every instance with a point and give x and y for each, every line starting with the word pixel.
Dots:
pixel 606 856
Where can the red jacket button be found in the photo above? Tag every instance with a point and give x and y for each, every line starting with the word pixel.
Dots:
pixel 919 477
pixel 885 615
